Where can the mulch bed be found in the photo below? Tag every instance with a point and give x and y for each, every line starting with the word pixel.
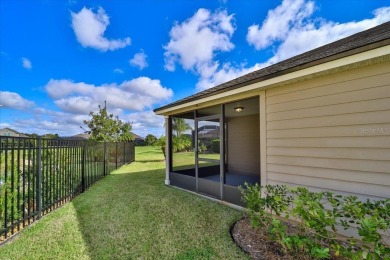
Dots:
pixel 257 244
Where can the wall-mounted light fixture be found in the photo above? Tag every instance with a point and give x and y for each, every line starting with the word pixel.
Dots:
pixel 239 109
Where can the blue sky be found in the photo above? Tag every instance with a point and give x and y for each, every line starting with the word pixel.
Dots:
pixel 60 59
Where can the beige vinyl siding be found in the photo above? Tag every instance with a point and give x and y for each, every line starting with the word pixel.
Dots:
pixel 332 133
pixel 243 144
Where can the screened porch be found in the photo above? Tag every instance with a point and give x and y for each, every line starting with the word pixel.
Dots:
pixel 216 149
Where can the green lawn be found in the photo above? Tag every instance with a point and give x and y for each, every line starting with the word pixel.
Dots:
pixel 131 214
pixel 186 160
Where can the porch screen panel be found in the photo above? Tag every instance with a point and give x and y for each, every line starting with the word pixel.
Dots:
pixel 183 157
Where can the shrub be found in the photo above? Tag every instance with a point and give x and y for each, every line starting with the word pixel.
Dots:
pixel 318 215
pixel 181 143
pixel 215 146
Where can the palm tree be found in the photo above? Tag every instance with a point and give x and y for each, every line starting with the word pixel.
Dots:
pixel 179 125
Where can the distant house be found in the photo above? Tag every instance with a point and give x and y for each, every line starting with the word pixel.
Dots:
pixel 77 137
pixel 320 119
pixel 138 140
pixel 11 133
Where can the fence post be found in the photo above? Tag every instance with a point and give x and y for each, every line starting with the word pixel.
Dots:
pixel 116 155
pixel 132 151
pixel 104 159
pixel 124 153
pixel 38 194
pixel 84 154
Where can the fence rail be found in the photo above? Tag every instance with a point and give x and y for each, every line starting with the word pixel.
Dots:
pixel 38 175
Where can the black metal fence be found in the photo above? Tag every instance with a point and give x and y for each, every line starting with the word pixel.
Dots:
pixel 38 175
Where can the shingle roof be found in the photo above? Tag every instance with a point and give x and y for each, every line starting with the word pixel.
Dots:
pixel 12 130
pixel 359 42
pixel 137 137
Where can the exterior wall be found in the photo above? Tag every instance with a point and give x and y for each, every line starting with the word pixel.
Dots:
pixel 332 133
pixel 243 144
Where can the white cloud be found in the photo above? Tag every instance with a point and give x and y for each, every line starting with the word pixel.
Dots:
pixel 195 41
pixel 13 100
pixel 118 70
pixel 50 121
pixel 41 120
pixel 45 126
pixel 291 27
pixel 139 60
pixel 89 28
pixel 26 63
pixel 278 22
pixel 136 94
pixel 216 74
pixel 77 105
pixel 310 36
pixel 292 30
pixel 146 122
pixel 62 88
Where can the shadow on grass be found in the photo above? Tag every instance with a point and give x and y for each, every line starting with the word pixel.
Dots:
pixel 135 215
pixel 150 161
pixel 151 152
pixel 105 210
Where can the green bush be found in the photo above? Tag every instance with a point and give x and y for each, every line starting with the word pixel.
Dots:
pixel 215 145
pixel 181 143
pixel 319 214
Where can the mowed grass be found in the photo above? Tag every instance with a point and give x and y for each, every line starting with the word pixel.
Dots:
pixel 186 160
pixel 131 214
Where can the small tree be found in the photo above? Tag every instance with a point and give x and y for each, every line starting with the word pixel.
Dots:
pixel 107 127
pixel 151 140
pixel 162 143
pixel 179 125
pixel 50 136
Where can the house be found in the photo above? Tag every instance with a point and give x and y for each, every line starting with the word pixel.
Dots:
pixel 138 140
pixel 320 119
pixel 82 136
pixel 11 133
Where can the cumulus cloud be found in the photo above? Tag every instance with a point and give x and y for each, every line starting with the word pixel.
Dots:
pixel 139 60
pixel 146 122
pixel 50 121
pixel 49 125
pixel 195 41
pixel 128 99
pixel 89 28
pixel 26 63
pixel 219 74
pixel 278 22
pixel 13 100
pixel 136 94
pixel 67 124
pixel 293 29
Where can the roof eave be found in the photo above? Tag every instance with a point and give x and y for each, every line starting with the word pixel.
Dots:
pixel 364 53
